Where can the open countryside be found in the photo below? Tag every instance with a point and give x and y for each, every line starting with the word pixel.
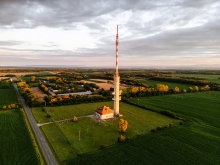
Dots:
pixel 18 145
pixel 110 82
pixel 181 120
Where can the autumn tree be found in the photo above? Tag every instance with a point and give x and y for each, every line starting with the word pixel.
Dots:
pixel 75 119
pixel 196 88
pixel 162 88
pixel 33 78
pixel 176 90
pixel 184 91
pixel 121 139
pixel 122 125
pixel 205 88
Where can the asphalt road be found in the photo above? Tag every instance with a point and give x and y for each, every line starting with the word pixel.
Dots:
pixel 49 157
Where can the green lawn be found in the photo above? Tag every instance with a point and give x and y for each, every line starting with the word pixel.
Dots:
pixel 64 137
pixel 15 142
pixel 67 112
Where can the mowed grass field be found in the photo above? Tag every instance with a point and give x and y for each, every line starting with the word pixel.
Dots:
pixel 15 142
pixel 7 96
pixel 196 142
pixel 64 136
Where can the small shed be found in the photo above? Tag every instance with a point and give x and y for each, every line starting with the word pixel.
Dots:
pixel 104 112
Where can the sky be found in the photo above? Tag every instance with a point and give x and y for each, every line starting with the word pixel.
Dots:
pixel 82 33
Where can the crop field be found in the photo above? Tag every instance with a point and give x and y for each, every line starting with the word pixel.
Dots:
pixel 204 106
pixel 196 142
pixel 7 96
pixel 212 78
pixel 169 84
pixel 64 136
pixel 15 141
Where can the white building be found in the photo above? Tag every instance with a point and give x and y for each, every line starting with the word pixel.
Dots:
pixel 104 112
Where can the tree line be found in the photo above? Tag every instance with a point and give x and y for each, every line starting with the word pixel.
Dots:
pixel 73 99
pixel 159 89
pixel 29 96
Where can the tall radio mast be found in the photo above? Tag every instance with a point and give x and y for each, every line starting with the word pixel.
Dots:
pixel 116 92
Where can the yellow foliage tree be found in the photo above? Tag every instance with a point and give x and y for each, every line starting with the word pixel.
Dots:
pixel 75 119
pixel 206 87
pixel 33 78
pixel 22 83
pixel 122 125
pixel 184 91
pixel 121 138
pixel 196 88
pixel 162 88
pixel 176 90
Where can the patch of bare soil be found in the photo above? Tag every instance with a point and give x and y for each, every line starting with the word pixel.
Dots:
pixel 105 86
pixel 40 94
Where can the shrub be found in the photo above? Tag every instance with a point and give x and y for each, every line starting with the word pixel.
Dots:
pixel 181 122
pixel 121 139
pixel 102 146
pixel 153 130
pixel 48 116
pixel 169 113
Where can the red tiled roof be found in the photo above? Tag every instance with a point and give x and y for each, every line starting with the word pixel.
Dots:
pixel 104 110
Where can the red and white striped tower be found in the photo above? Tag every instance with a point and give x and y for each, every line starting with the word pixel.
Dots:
pixel 116 92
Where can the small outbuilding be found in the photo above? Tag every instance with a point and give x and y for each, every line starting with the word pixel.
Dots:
pixel 104 112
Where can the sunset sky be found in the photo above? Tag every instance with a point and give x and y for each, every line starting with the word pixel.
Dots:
pixel 74 33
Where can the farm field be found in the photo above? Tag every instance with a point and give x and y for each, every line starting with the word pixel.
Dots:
pixel 212 78
pixel 40 94
pixel 16 73
pixel 104 85
pixel 7 96
pixel 64 136
pixel 169 84
pixel 15 141
pixel 196 142
pixel 203 106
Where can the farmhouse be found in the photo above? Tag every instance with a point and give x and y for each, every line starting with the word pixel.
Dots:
pixel 104 112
